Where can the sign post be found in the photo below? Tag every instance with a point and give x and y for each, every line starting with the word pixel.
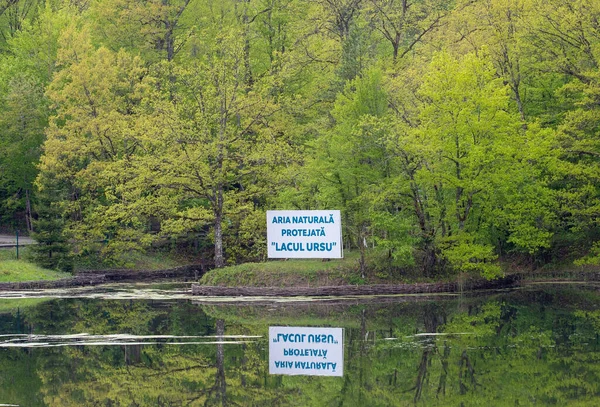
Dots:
pixel 306 351
pixel 304 234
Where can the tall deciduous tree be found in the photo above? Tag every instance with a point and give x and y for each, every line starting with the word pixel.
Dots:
pixel 13 15
pixel 567 36
pixel 501 27
pixel 22 123
pixel 90 140
pixel 454 156
pixel 352 158
pixel 213 143
pixel 158 29
pixel 404 23
pixel 24 111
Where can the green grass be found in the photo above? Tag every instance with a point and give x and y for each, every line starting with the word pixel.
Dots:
pixel 11 253
pixel 316 272
pixel 13 270
pixel 305 272
pixel 22 270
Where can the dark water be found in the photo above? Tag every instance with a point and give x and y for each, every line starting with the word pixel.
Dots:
pixel 538 345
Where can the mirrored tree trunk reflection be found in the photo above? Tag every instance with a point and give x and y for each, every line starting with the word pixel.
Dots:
pixel 220 382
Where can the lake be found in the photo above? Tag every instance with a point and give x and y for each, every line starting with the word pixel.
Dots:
pixel 153 345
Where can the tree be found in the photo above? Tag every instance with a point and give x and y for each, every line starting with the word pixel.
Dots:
pixel 405 23
pixel 25 108
pixel 567 37
pixel 451 157
pixel 213 144
pixel 52 250
pixel 90 141
pixel 352 166
pixel 500 27
pixel 13 15
pixel 22 123
pixel 157 29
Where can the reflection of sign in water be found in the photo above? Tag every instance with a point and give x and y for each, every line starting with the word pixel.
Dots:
pixel 306 351
pixel 304 234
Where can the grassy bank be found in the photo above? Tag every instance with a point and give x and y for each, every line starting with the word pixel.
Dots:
pixel 305 272
pixel 13 270
pixel 318 273
pixel 309 273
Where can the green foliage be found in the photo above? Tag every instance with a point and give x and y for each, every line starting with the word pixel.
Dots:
pixel 24 111
pixel 465 255
pixel 52 250
pixel 448 133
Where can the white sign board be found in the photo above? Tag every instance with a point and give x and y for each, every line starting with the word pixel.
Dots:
pixel 306 351
pixel 304 234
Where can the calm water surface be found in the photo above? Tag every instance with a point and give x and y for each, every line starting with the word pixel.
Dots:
pixel 153 346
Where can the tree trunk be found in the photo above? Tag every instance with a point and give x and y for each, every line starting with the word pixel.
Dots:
pixel 362 244
pixel 466 371
pixel 169 41
pixel 363 350
pixel 441 390
pixel 429 259
pixel 517 94
pixel 396 46
pixel 219 260
pixel 133 354
pixel 247 67
pixel 28 217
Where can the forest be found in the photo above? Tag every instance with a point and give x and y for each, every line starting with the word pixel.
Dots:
pixel 451 134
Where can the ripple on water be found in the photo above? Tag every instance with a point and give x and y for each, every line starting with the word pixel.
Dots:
pixel 84 339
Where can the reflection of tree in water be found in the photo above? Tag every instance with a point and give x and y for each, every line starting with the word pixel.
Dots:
pixel 512 354
pixel 433 317
pixel 219 390
pixel 133 354
pixel 364 336
pixel 140 375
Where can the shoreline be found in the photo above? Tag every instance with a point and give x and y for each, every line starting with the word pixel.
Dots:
pixel 192 273
pixel 357 290
pixel 98 277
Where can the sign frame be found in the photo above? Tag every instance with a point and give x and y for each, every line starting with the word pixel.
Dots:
pixel 306 351
pixel 304 234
